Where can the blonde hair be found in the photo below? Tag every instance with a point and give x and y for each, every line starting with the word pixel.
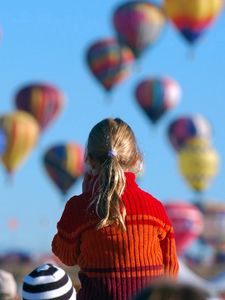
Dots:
pixel 112 147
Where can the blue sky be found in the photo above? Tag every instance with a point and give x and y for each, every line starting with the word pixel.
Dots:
pixel 47 41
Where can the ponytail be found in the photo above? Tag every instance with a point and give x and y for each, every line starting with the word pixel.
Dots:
pixel 111 150
pixel 108 203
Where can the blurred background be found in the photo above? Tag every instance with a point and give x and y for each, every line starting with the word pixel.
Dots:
pixel 159 66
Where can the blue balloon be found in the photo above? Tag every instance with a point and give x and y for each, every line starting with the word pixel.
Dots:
pixel 2 141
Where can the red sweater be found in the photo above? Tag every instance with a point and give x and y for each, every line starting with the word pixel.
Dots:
pixel 115 265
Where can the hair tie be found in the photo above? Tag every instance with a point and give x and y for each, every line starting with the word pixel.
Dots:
pixel 112 153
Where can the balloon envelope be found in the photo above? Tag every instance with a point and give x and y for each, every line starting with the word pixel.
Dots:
pixel 184 128
pixel 214 223
pixel 2 141
pixel 22 132
pixel 138 24
pixel 156 96
pixel 187 221
pixel 64 164
pixel 43 101
pixel 192 17
pixel 198 163
pixel 109 62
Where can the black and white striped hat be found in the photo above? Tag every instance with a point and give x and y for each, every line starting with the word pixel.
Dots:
pixel 48 282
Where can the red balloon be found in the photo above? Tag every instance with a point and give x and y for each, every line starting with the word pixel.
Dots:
pixel 43 101
pixel 187 221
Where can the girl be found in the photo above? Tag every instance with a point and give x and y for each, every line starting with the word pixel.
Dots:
pixel 118 234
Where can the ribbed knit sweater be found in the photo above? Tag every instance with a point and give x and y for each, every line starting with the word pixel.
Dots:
pixel 115 265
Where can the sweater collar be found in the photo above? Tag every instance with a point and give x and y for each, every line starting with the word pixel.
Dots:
pixel 130 179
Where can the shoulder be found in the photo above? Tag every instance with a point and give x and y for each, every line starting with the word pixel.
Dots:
pixel 144 196
pixel 153 206
pixel 75 212
pixel 77 202
pixel 154 201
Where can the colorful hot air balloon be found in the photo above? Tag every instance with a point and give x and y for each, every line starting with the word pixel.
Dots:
pixel 43 101
pixel 109 62
pixel 2 141
pixel 157 95
pixel 214 223
pixel 187 221
pixel 22 133
pixel 184 128
pixel 192 17
pixel 138 24
pixel 198 163
pixel 64 164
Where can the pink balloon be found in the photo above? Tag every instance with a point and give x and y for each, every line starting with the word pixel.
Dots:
pixel 187 221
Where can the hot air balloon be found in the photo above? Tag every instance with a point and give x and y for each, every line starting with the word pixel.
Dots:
pixel 186 127
pixel 187 221
pixel 22 132
pixel 157 95
pixel 13 224
pixel 43 101
pixel 192 17
pixel 198 163
pixel 2 141
pixel 64 164
pixel 138 24
pixel 214 223
pixel 109 62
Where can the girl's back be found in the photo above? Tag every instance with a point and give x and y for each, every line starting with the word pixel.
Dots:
pixel 116 264
pixel 119 235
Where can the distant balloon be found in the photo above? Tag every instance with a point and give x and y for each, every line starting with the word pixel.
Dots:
pixel 187 221
pixel 2 141
pixel 22 132
pixel 64 164
pixel 157 95
pixel 214 223
pixel 138 24
pixel 198 163
pixel 43 101
pixel 109 62
pixel 13 224
pixel 192 18
pixel 186 127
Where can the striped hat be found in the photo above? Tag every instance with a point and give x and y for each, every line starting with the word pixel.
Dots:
pixel 48 282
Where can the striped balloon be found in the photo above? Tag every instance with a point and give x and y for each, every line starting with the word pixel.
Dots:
pixel 138 24
pixel 43 101
pixel 157 95
pixel 186 127
pixel 192 17
pixel 22 133
pixel 187 221
pixel 64 164
pixel 198 163
pixel 109 62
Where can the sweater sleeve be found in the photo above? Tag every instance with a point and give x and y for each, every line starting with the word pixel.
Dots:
pixel 170 260
pixel 168 248
pixel 66 242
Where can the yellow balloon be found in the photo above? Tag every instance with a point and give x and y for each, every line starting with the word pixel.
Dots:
pixel 198 163
pixel 193 9
pixel 22 132
pixel 192 17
